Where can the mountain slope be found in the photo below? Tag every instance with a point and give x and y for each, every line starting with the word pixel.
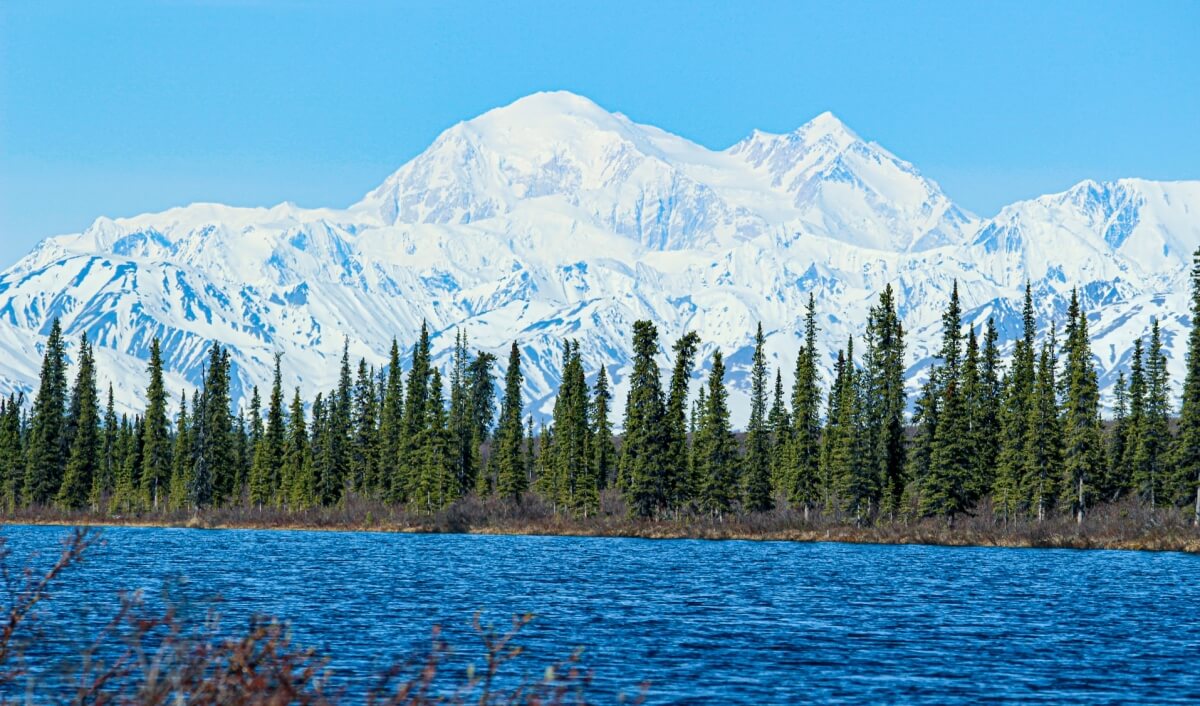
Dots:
pixel 553 218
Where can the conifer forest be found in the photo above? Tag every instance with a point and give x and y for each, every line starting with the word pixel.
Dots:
pixel 1021 433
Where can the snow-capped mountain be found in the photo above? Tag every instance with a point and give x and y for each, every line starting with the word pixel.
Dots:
pixel 553 218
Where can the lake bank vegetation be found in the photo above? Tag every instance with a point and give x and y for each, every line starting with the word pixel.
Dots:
pixel 1012 447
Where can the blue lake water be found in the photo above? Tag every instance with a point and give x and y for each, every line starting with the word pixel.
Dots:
pixel 702 621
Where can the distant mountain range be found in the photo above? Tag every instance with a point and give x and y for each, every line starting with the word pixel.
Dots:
pixel 553 218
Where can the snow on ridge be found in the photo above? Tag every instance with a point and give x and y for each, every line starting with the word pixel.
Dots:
pixel 552 218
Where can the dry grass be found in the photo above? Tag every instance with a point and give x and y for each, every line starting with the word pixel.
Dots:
pixel 1125 525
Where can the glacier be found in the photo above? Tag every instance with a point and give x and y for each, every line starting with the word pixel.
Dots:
pixel 553 218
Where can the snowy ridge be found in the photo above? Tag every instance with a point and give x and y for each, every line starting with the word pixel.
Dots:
pixel 553 218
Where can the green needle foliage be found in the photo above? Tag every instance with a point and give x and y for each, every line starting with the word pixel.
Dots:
pixel 1020 437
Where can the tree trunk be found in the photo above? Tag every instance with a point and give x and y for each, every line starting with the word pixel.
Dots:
pixel 1079 519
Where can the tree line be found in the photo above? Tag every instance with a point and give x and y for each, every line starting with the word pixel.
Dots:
pixel 1023 434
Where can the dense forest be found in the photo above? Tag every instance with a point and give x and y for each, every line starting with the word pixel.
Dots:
pixel 1024 435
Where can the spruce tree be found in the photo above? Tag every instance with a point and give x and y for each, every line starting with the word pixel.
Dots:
pixel 156 446
pixel 848 477
pixel 461 424
pixel 483 394
pixel 1083 434
pixel 1014 416
pixel 46 448
pixel 986 431
pixel 1043 435
pixel 643 453
pixel 415 407
pixel 12 457
pixel 1125 473
pixel 944 490
pixel 301 485
pixel 975 484
pixel 435 484
pixel 779 421
pixel 1150 475
pixel 604 452
pixel 364 456
pixel 511 475
pixel 391 430
pixel 182 460
pixel 127 496
pixel 268 452
pixel 926 415
pixel 213 427
pixel 716 447
pixel 801 482
pixel 757 462
pixel 885 401
pixel 1186 459
pixel 675 489
pixel 84 460
pixel 332 464
pixel 102 482
pixel 1113 483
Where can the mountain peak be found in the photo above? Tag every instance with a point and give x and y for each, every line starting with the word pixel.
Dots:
pixel 827 124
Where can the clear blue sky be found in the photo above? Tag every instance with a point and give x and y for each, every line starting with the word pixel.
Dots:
pixel 119 108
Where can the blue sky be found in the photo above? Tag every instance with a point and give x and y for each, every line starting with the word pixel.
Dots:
pixel 119 108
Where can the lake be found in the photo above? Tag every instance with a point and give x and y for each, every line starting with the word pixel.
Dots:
pixel 702 621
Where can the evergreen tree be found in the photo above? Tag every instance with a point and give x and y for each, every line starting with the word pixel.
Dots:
pixel 1114 483
pixel 801 482
pixel 435 485
pixel 1083 452
pixel 126 496
pixel 465 439
pixel 758 436
pixel 1154 437
pixel 1125 474
pixel 268 452
pixel 926 415
pixel 256 420
pixel 415 407
pixel 320 442
pixel 1014 416
pixel 83 463
pixel 604 453
pixel 1043 435
pixel 885 401
pixel 511 474
pixel 364 456
pixel 987 402
pixel 102 482
pixel 156 446
pixel 674 488
pixel 975 485
pixel 848 478
pixel 47 445
pixel 12 457
pixel 213 427
pixel 944 490
pixel 483 394
pixel 716 447
pixel 301 486
pixel 391 430
pixel 779 421
pixel 644 449
pixel 182 461
pixel 575 485
pixel 1187 447
pixel 332 465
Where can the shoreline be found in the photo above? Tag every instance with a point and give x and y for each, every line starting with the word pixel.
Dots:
pixel 890 535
